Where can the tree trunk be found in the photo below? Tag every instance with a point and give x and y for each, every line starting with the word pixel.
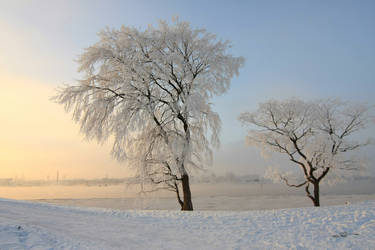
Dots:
pixel 188 204
pixel 316 199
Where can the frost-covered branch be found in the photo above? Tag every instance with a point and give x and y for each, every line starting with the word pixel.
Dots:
pixel 149 90
pixel 315 135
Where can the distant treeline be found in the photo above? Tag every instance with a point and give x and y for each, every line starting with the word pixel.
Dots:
pixel 67 182
pixel 209 178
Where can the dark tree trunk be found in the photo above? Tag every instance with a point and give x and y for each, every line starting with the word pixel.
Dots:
pixel 316 199
pixel 187 204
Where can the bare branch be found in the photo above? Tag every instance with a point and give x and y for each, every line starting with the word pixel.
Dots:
pixel 292 185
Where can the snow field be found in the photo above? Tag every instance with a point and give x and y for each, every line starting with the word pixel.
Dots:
pixel 26 225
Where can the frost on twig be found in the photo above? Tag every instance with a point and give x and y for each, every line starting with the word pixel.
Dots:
pixel 316 137
pixel 149 90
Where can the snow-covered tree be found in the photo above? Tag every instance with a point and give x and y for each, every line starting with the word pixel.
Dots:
pixel 150 91
pixel 316 136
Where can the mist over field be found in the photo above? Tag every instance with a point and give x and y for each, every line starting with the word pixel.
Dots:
pixel 227 192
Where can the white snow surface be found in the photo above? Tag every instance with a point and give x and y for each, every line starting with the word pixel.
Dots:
pixel 27 225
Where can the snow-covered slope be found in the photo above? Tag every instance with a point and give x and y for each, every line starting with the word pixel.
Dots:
pixel 25 225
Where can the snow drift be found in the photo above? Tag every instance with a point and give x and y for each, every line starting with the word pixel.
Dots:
pixel 26 225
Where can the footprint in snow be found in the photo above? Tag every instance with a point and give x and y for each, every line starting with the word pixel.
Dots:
pixel 343 234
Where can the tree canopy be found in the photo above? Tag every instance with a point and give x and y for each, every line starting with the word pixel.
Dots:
pixel 150 90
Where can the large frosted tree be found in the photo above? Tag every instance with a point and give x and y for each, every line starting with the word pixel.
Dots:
pixel 316 136
pixel 149 90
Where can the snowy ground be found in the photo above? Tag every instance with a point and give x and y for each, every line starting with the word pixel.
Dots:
pixel 26 225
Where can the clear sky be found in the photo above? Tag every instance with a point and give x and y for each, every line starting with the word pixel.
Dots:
pixel 307 49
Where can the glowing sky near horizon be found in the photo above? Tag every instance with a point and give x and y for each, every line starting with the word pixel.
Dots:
pixel 38 139
pixel 308 49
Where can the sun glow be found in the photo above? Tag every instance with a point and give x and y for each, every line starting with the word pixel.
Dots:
pixel 37 138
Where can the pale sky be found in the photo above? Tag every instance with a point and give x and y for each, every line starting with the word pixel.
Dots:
pixel 307 49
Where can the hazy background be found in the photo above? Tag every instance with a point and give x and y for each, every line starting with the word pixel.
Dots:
pixel 306 49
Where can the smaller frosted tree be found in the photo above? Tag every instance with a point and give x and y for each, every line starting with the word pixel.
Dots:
pixel 316 136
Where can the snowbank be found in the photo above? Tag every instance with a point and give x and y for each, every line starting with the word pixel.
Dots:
pixel 26 225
